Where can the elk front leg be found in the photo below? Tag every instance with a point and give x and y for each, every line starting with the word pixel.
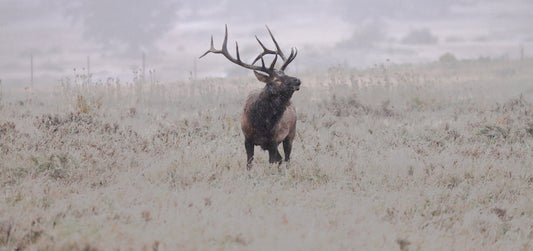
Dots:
pixel 273 154
pixel 287 147
pixel 249 145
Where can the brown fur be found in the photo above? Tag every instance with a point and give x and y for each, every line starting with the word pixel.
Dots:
pixel 285 128
pixel 269 118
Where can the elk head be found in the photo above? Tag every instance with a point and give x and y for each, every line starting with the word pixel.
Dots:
pixel 268 118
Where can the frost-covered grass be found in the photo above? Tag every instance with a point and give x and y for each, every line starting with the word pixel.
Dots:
pixel 436 156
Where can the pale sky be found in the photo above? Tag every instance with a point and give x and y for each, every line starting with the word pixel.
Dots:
pixel 61 34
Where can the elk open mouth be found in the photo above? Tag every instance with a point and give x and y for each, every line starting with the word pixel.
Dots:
pixel 296 87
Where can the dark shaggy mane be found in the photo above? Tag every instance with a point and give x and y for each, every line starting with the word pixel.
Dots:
pixel 267 111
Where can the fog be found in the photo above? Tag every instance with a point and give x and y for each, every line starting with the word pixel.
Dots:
pixel 64 38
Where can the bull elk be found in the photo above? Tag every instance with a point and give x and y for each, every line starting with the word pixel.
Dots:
pixel 269 117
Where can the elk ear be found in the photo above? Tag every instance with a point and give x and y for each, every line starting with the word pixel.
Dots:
pixel 261 77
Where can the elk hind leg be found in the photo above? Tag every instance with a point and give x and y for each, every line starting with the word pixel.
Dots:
pixel 249 145
pixel 287 148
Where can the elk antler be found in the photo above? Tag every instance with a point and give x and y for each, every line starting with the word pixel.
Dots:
pixel 262 68
pixel 278 51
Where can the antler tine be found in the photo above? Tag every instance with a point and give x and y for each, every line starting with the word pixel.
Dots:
pixel 263 63
pixel 276 43
pixel 225 43
pixel 237 51
pixel 266 51
pixel 212 49
pixel 292 56
pixel 273 63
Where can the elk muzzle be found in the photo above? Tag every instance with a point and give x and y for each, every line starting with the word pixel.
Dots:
pixel 296 85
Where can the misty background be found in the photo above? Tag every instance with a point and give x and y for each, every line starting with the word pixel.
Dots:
pixel 65 37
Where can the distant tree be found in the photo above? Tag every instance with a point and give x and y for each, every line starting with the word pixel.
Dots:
pixel 420 36
pixel 447 58
pixel 136 24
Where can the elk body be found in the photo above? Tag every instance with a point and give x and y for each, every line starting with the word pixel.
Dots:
pixel 268 118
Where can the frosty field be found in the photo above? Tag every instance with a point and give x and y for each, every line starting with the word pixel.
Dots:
pixel 433 157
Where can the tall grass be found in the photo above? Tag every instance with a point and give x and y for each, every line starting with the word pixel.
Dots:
pixel 434 156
